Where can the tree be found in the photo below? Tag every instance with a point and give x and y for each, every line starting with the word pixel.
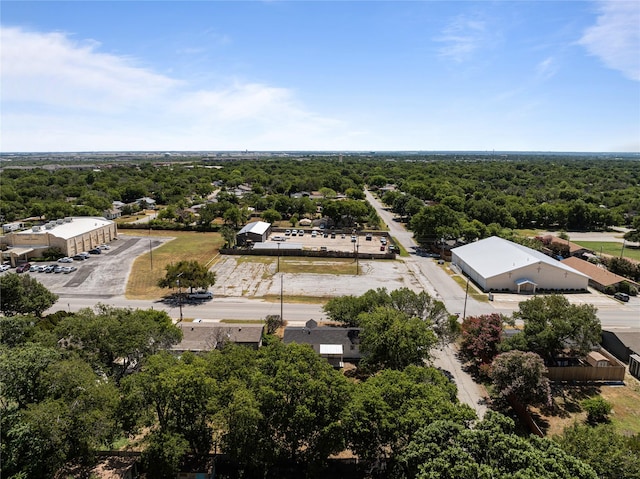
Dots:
pixel 385 411
pixel 291 408
pixel 229 235
pixel 598 409
pixel 115 340
pixel 164 453
pixel 448 450
pixel 481 336
pixel 552 324
pixel 392 339
pixel 521 376
pixel 187 274
pixel 179 393
pixel 611 455
pixel 21 371
pixel 271 216
pixel 22 294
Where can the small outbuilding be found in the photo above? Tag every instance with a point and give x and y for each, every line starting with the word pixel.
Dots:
pixel 256 232
pixel 496 264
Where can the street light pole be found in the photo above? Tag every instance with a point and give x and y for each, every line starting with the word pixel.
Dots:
pixel 281 282
pixel 278 257
pixel 466 294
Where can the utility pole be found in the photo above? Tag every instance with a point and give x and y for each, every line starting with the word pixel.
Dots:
pixel 281 283
pixel 278 258
pixel 466 294
pixel 179 295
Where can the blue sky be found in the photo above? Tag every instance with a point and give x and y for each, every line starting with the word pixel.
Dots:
pixel 330 75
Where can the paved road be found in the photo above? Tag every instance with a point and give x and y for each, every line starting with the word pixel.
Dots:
pixel 430 274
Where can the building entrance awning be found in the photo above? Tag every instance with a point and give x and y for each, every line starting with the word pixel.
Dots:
pixel 14 252
pixel 526 281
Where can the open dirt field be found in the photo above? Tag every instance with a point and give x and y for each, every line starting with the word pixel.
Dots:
pixel 236 277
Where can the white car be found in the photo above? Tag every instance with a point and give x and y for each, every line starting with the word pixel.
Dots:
pixel 66 259
pixel 200 295
pixel 4 267
pixel 104 246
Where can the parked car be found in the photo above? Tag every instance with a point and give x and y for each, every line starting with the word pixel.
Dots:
pixel 34 268
pixel 200 295
pixel 79 257
pixel 287 233
pixel 353 238
pixel 4 267
pixel 66 259
pixel 382 247
pixel 23 267
pixel 58 269
pixel 69 269
pixel 368 237
pixel 104 246
pixel 95 251
pixel 49 269
pixel 622 296
pixel 42 268
pixel 314 234
pixel 300 232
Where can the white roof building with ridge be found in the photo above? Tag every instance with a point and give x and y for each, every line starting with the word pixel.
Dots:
pixel 496 264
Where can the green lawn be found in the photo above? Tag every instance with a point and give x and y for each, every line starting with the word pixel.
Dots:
pixel 610 248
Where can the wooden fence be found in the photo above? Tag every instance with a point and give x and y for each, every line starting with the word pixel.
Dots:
pixel 588 373
pixel 306 253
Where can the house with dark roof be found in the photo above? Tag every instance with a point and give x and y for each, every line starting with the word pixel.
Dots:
pixel 206 336
pixel 337 345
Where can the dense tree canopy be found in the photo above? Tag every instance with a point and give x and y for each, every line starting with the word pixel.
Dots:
pixel 447 450
pixel 552 324
pixel 23 294
pixel 187 274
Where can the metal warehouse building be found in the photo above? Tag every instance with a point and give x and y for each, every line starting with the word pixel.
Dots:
pixel 71 235
pixel 255 232
pixel 496 264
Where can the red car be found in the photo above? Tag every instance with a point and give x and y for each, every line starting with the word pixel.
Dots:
pixel 23 267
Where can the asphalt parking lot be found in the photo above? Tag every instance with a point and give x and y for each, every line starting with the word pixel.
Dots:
pixel 101 276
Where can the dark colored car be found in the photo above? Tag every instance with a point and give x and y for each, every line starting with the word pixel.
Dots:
pixel 79 257
pixel 95 251
pixel 23 267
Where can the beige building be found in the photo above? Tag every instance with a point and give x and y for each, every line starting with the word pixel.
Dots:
pixel 70 235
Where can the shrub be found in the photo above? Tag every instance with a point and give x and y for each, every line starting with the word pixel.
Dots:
pixel 598 409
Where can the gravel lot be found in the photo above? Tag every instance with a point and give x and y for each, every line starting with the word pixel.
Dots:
pixel 247 278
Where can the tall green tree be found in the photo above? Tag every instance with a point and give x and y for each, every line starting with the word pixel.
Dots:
pixel 187 274
pixel 22 294
pixel 448 450
pixel 392 339
pixel 387 409
pixel 521 376
pixel 552 324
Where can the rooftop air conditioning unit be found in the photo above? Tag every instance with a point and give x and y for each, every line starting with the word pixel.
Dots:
pixel 49 226
pixel 68 219
pixel 59 222
pixel 37 228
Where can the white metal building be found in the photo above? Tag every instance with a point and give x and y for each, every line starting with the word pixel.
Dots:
pixel 496 264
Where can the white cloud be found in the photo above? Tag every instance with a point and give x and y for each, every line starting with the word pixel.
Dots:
pixel 615 38
pixel 546 69
pixel 62 95
pixel 461 38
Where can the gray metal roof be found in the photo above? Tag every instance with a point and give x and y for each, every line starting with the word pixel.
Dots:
pixel 494 256
pixel 349 338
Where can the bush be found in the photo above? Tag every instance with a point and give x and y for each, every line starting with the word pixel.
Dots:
pixel 598 409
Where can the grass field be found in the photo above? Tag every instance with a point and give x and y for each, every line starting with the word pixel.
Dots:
pixel 625 416
pixel 186 245
pixel 610 248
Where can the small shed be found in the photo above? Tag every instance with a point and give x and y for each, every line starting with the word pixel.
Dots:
pixel 598 360
pixel 256 232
